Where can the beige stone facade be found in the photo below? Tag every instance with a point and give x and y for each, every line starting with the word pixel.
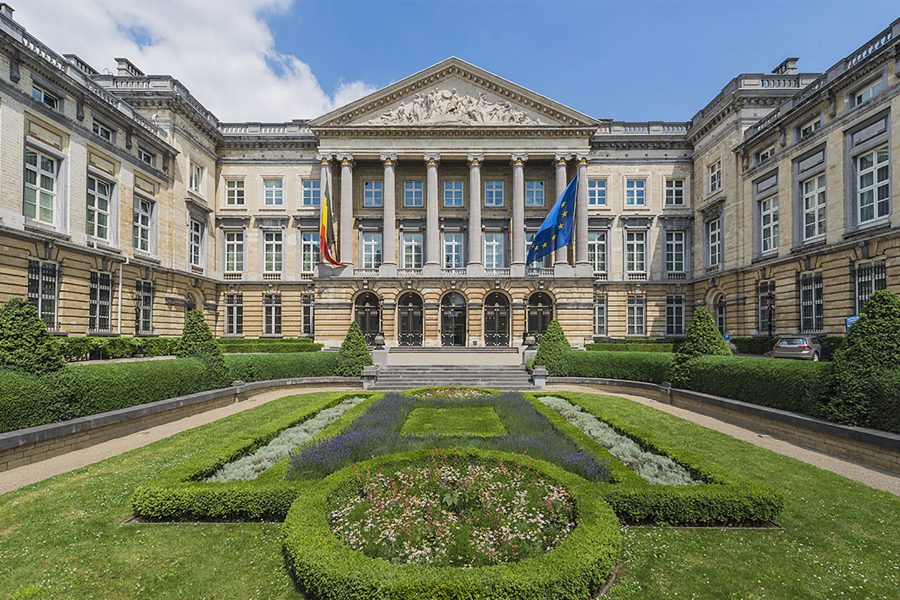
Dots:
pixel 125 201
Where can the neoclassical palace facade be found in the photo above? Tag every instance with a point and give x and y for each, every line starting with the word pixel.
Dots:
pixel 124 202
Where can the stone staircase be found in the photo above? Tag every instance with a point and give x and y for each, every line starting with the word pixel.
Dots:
pixel 501 377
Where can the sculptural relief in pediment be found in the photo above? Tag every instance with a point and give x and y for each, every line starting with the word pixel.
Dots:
pixel 450 107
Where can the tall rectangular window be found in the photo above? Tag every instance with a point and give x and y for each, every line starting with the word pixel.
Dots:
pixel 635 192
pixel 234 314
pixel 308 315
pixel 596 192
pixel 272 251
pixel 675 252
pixel 872 185
pixel 100 301
pixel 234 251
pixel 674 192
pixel 195 182
pixel 413 195
pixel 371 249
pixel 143 310
pixel 765 293
pixel 540 263
pixel 454 245
pixel 599 315
pixel 412 250
pixel 870 277
pixel 453 194
pixel 43 289
pixel 373 194
pixel 675 315
pixel 494 250
pixel 142 223
pixel 637 307
pixel 714 176
pixel 597 251
pixel 813 191
pixel 309 251
pixel 312 192
pixel 534 194
pixel 234 192
pixel 714 243
pixel 274 192
pixel 768 224
pixel 99 201
pixel 272 314
pixel 196 243
pixel 812 303
pixel 493 194
pixel 41 172
pixel 635 251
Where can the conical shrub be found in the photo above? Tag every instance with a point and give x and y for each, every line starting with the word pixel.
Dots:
pixel 354 353
pixel 197 342
pixel 554 345
pixel 703 339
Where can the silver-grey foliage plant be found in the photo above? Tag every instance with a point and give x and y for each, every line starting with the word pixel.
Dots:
pixel 655 468
pixel 251 466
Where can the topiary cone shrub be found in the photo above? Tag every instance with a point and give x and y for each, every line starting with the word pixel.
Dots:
pixel 197 342
pixel 552 351
pixel 871 348
pixel 703 339
pixel 25 344
pixel 354 353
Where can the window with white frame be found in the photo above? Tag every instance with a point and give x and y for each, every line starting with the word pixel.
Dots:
pixel 674 192
pixel 454 246
pixel 872 185
pixel 765 303
pixel 493 194
pixel 312 192
pixel 234 251
pixel 635 192
pixel 768 224
pixel 100 301
pixel 635 251
pixel 373 194
pixel 597 251
pixel 412 250
pixel 453 194
pixel 675 244
pixel 714 242
pixel 234 314
pixel 195 184
pixel 870 277
pixel 413 195
pixel 142 223
pixel 43 290
pixel 596 192
pixel 813 192
pixel 272 314
pixel 45 97
pixel 99 205
pixel 310 251
pixel 675 314
pixel 197 233
pixel 534 194
pixel 494 250
pixel 41 174
pixel 371 249
pixel 809 128
pixel 102 131
pixel 714 176
pixel 868 92
pixel 308 315
pixel 540 263
pixel 274 192
pixel 234 192
pixel 637 309
pixel 599 315
pixel 146 157
pixel 143 308
pixel 765 154
pixel 812 303
pixel 273 246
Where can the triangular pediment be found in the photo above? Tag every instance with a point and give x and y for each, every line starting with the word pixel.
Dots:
pixel 454 93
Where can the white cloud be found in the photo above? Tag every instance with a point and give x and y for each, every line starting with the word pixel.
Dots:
pixel 222 50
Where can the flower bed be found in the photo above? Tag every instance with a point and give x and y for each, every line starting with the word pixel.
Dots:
pixel 452 512
pixel 453 393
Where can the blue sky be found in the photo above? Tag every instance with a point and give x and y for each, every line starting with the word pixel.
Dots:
pixel 635 60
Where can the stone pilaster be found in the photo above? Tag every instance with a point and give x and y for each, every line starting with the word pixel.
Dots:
pixel 475 237
pixel 346 232
pixel 518 206
pixel 432 230
pixel 562 254
pixel 581 219
pixel 389 228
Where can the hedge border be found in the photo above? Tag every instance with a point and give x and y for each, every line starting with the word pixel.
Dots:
pixel 326 568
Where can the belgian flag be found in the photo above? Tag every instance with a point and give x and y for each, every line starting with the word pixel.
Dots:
pixel 326 229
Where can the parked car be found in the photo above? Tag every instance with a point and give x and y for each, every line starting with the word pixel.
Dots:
pixel 803 347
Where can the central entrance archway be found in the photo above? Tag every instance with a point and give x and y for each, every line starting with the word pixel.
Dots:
pixel 496 320
pixel 539 313
pixel 410 320
pixel 368 315
pixel 453 320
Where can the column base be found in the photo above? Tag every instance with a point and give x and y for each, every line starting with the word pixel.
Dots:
pixel 563 270
pixel 475 270
pixel 387 270
pixel 584 269
pixel 431 270
pixel 517 270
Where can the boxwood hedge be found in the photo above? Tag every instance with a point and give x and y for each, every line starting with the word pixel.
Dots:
pixel 326 568
pixel 631 347
pixel 651 367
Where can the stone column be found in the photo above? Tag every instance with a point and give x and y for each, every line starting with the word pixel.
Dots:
pixel 475 237
pixel 346 231
pixel 432 233
pixel 324 178
pixel 389 228
pixel 518 206
pixel 581 217
pixel 562 255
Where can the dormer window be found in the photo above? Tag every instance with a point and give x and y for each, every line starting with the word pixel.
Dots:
pixel 45 97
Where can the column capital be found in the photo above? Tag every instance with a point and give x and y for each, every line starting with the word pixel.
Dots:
pixel 518 160
pixel 389 160
pixel 582 160
pixel 323 159
pixel 432 159
pixel 561 159
pixel 475 160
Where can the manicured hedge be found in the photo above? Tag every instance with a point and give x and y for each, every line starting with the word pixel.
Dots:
pixel 884 403
pixel 630 347
pixel 651 367
pixel 259 367
pixel 275 346
pixel 75 348
pixel 753 345
pixel 325 567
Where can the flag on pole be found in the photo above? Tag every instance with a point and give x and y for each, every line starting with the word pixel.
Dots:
pixel 326 228
pixel 556 230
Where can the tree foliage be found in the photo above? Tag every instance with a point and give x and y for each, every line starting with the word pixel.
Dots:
pixel 703 339
pixel 551 353
pixel 25 344
pixel 354 353
pixel 197 342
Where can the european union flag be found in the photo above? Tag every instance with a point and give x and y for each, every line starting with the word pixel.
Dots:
pixel 556 230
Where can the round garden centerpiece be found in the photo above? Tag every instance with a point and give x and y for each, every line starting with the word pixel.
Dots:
pixel 452 511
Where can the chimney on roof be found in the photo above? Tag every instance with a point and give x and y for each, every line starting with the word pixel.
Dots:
pixel 6 9
pixel 787 67
pixel 126 68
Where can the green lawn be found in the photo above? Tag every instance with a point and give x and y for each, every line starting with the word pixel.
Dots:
pixel 478 421
pixel 65 538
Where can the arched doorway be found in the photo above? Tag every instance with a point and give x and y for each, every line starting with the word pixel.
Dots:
pixel 538 314
pixel 453 320
pixel 496 320
pixel 368 315
pixel 410 320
